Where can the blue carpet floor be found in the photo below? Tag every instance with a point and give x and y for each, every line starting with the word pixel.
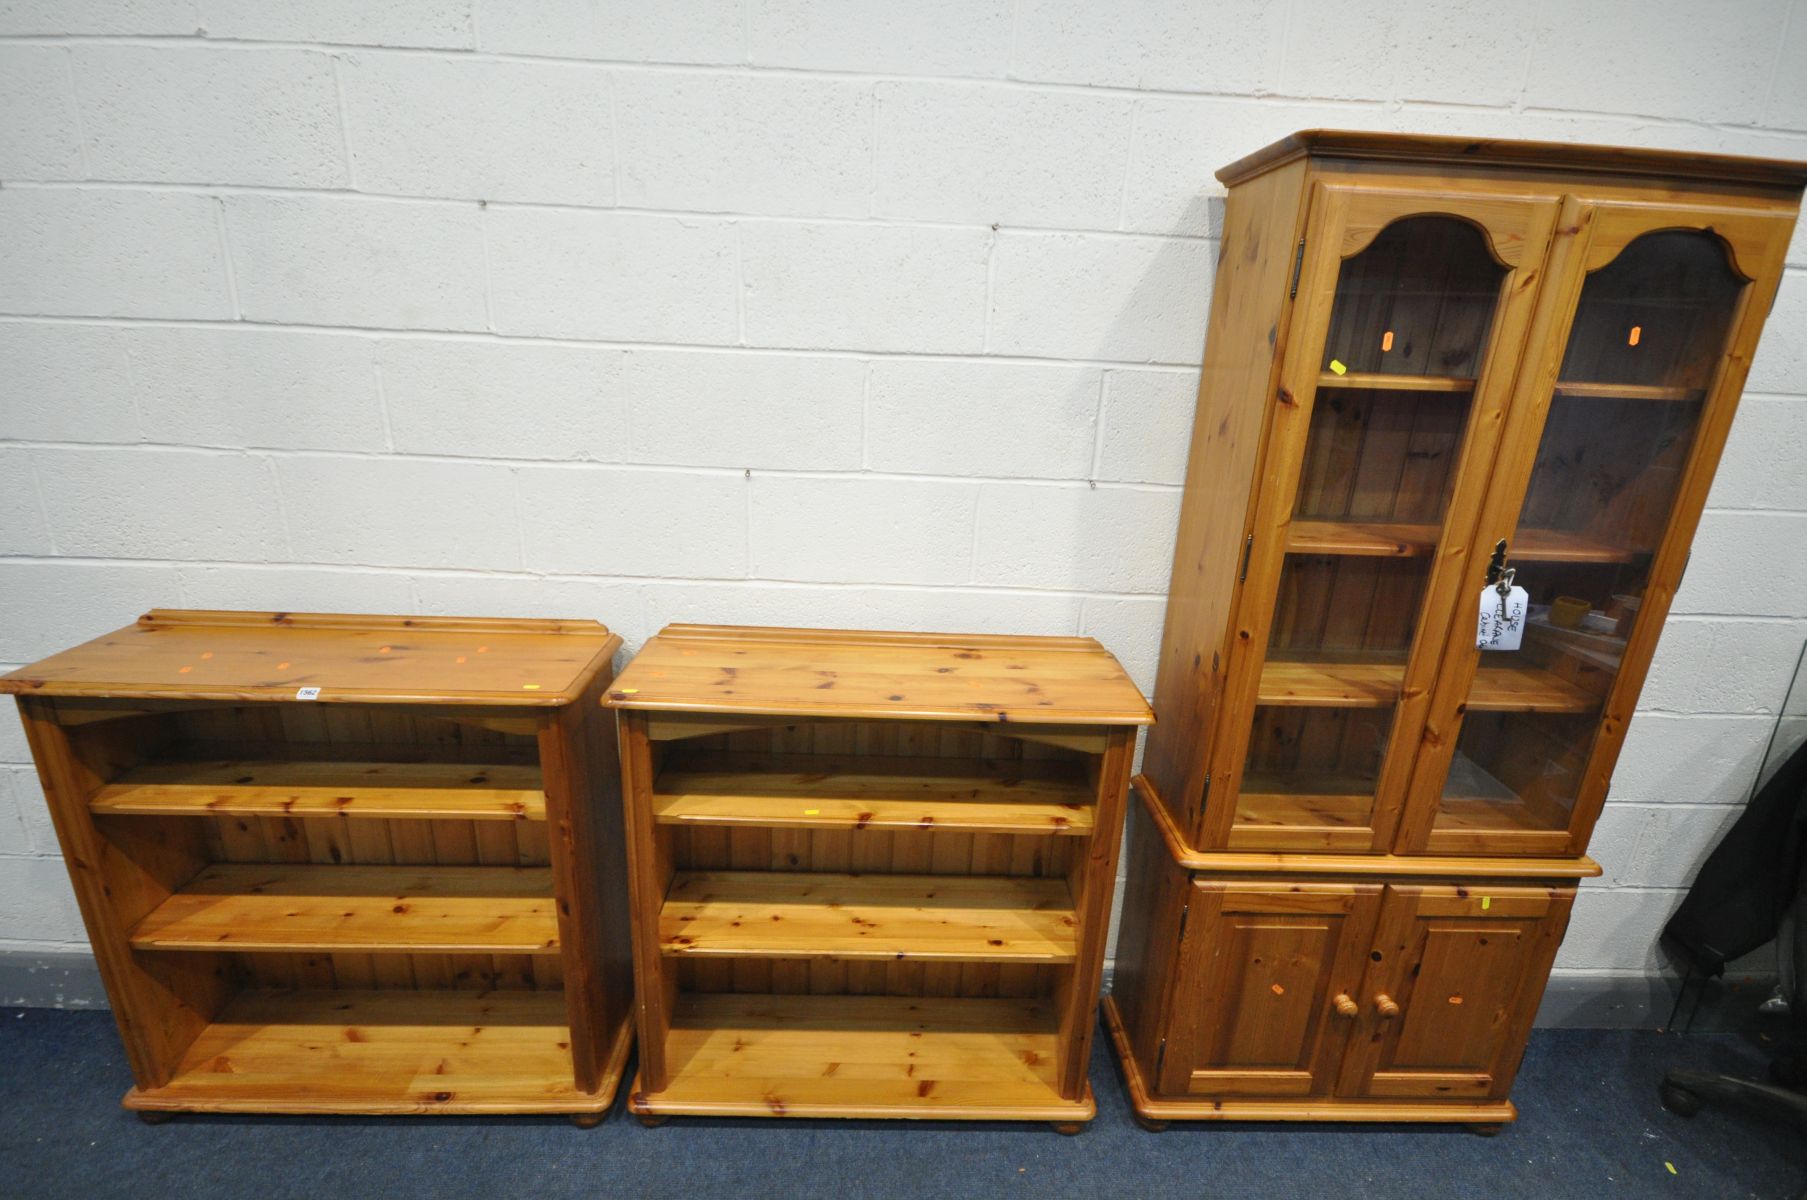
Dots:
pixel 1590 1126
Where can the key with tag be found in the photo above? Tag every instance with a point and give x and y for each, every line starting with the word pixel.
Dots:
pixel 1501 625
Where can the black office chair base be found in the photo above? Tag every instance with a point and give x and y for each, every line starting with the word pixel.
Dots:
pixel 1684 1092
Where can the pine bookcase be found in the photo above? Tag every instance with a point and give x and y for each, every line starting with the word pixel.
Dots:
pixel 871 872
pixel 346 864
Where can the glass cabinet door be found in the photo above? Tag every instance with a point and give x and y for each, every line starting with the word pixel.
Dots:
pixel 1413 329
pixel 1596 520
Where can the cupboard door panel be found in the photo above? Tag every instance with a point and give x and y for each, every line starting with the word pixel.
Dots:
pixel 1413 307
pixel 1640 350
pixel 1452 985
pixel 1261 968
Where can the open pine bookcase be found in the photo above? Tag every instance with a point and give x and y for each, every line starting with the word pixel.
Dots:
pixel 346 864
pixel 872 872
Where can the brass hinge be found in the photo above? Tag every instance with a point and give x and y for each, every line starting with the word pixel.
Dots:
pixel 1684 572
pixel 1160 1057
pixel 1204 792
pixel 1185 912
pixel 1248 547
pixel 1298 265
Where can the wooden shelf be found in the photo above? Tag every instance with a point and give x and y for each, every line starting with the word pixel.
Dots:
pixel 1330 683
pixel 1521 687
pixel 1626 391
pixel 809 791
pixel 379 1052
pixel 1382 539
pixel 1507 687
pixel 1261 805
pixel 442 909
pixel 1398 540
pixel 456 791
pixel 862 1056
pixel 1396 383
pixel 776 914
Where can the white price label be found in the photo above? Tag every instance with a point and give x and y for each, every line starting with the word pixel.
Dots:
pixel 1502 619
pixel 307 693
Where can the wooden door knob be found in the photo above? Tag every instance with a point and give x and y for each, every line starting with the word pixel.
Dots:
pixel 1346 1005
pixel 1386 1006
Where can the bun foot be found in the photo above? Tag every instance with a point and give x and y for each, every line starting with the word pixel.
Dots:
pixel 1150 1124
pixel 651 1120
pixel 1486 1128
pixel 587 1120
pixel 1066 1128
pixel 153 1117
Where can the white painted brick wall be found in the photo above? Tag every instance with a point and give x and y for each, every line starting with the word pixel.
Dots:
pixel 787 311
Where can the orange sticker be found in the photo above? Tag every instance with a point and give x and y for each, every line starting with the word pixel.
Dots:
pixel 206 654
pixel 1455 999
pixel 184 670
pixel 461 659
pixel 1386 341
pixel 1278 990
pixel 282 666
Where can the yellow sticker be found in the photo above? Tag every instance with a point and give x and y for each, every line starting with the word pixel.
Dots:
pixel 1486 902
pixel 530 687
pixel 1338 368
pixel 812 812
pixel 1672 1169
pixel 626 691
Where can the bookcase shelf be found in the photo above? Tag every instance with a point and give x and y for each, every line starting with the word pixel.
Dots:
pixel 911 1057
pixel 399 893
pixel 782 914
pixel 244 788
pixel 810 791
pixel 271 1051
pixel 1341 682
pixel 1399 540
pixel 884 898
pixel 252 906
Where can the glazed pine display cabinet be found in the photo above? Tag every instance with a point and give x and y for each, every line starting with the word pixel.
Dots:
pixel 345 864
pixel 872 872
pixel 1435 370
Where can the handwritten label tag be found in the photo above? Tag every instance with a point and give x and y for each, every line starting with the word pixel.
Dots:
pixel 1502 619
pixel 307 693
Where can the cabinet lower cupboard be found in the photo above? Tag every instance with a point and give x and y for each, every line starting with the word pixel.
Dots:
pixel 1293 997
pixel 872 872
pixel 1453 392
pixel 346 864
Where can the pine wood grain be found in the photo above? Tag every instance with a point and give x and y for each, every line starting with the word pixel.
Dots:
pixel 897 676
pixel 249 787
pixel 807 791
pixel 249 906
pixel 196 655
pixel 395 1052
pixel 863 1056
pixel 779 914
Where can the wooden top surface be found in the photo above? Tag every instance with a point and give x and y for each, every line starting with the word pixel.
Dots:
pixel 853 673
pixel 1557 156
pixel 194 655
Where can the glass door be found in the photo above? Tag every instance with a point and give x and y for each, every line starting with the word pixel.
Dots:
pixel 1600 484
pixel 1413 309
